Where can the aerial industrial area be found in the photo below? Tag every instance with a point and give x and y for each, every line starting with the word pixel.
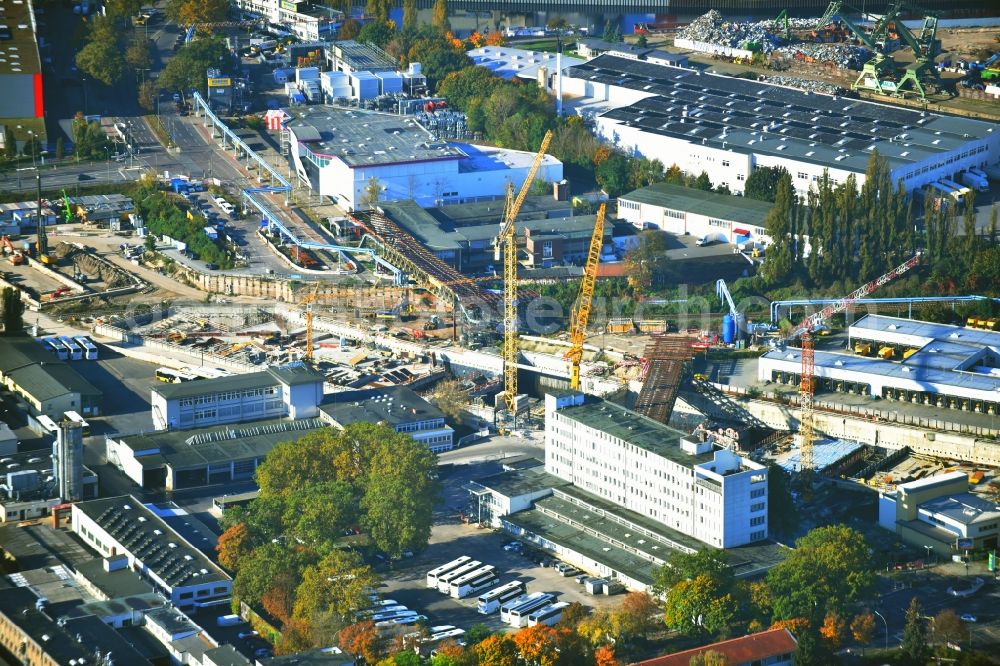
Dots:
pixel 458 334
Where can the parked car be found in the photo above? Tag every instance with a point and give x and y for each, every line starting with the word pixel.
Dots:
pixel 244 635
pixel 968 617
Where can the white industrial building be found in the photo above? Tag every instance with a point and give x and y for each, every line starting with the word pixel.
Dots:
pixel 289 391
pixel 715 496
pixel 934 364
pixel 398 407
pixel 124 526
pixel 729 126
pixel 684 210
pixel 338 152
pixel 619 493
pixel 307 21
pixel 939 512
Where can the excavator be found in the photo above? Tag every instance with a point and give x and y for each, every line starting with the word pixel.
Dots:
pixel 13 254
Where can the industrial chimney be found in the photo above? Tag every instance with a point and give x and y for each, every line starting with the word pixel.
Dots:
pixel 68 457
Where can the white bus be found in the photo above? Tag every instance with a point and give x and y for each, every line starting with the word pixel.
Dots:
pixel 47 423
pixel 76 418
pixel 432 575
pixel 496 598
pixel 548 615
pixel 89 348
pixel 171 376
pixel 57 348
pixel 395 615
pixel 444 582
pixel 473 582
pixel 437 637
pixel 517 615
pixel 208 373
pixel 75 350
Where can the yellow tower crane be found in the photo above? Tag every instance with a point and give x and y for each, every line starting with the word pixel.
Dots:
pixel 308 303
pixel 581 313
pixel 506 241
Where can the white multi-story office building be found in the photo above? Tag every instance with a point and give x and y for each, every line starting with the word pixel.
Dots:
pixel 277 392
pixel 629 460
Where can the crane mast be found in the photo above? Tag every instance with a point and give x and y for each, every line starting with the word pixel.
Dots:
pixel 807 385
pixel 506 242
pixel 581 313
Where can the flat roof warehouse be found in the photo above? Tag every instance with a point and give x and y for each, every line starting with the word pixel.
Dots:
pixel 754 117
pixel 362 139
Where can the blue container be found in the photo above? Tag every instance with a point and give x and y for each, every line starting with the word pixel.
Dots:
pixel 728 329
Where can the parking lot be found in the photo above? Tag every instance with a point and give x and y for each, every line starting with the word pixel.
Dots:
pixel 405 582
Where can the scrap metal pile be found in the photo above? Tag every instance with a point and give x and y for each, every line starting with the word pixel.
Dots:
pixel 762 36
pixel 713 29
pixel 805 84
pixel 842 55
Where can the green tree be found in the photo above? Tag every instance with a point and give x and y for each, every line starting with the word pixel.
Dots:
pixel 829 569
pixel 378 33
pixel 612 175
pixel 451 398
pixel 463 86
pixel 914 644
pixel 147 95
pixel 409 14
pixel 373 192
pixel 703 182
pixel 190 12
pixel 318 513
pixel 137 55
pixel 762 184
pixel 186 69
pixel 10 144
pixel 440 60
pixel 709 562
pixel 399 498
pixel 811 651
pixel 12 311
pixel 948 627
pixel 349 29
pixel 332 589
pixel 60 148
pixel 88 138
pixel 102 61
pixel 439 16
pixel 699 606
pixel 709 658
pixel 782 516
pixel 377 10
pixel 149 243
pixel 646 261
pixel 264 565
pixel 778 263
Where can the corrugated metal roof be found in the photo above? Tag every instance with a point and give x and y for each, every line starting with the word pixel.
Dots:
pixel 722 206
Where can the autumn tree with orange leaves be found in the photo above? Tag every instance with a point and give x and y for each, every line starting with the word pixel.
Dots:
pixel 362 639
pixel 497 650
pixel 234 545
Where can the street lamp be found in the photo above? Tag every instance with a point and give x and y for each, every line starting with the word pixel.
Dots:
pixel 34 146
pixel 107 151
pixel 928 549
pixel 882 617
